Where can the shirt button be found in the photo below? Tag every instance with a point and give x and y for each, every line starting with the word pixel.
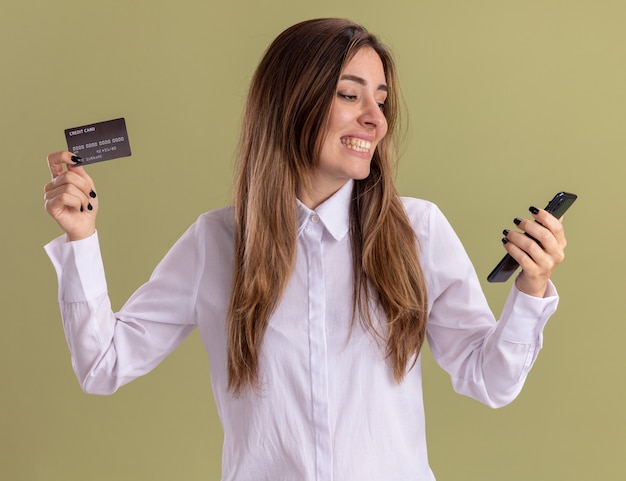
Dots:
pixel 315 218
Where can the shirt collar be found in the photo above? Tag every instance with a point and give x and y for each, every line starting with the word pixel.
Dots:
pixel 334 212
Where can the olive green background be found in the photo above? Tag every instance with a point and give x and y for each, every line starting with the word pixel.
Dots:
pixel 509 102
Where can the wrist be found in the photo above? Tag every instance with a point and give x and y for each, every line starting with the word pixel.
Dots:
pixel 77 236
pixel 531 287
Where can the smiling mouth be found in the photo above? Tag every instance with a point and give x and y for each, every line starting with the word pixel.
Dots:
pixel 358 145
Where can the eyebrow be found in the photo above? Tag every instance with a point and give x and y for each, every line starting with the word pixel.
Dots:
pixel 361 81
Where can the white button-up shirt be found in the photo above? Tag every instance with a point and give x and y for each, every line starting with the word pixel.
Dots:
pixel 329 408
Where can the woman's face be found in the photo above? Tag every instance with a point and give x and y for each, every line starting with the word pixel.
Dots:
pixel 355 127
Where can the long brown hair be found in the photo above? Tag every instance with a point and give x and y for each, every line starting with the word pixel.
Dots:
pixel 283 129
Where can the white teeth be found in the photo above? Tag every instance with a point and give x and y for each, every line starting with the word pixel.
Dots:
pixel 359 145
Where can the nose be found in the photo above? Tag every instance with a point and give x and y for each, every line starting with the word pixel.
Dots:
pixel 372 115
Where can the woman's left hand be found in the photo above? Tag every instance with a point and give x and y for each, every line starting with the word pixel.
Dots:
pixel 537 258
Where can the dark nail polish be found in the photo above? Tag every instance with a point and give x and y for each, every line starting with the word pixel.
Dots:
pixel 89 207
pixel 506 232
pixel 81 208
pixel 92 194
pixel 517 221
pixel 505 240
pixel 533 210
pixel 76 158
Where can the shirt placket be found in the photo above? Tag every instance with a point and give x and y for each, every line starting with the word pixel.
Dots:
pixel 318 360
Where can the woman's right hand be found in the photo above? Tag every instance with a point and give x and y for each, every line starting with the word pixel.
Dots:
pixel 70 197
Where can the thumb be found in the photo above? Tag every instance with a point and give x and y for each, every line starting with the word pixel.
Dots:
pixel 57 161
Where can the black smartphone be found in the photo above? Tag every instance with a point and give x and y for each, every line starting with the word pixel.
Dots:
pixel 507 266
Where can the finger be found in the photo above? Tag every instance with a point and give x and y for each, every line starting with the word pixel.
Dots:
pixel 72 189
pixel 529 246
pixel 56 161
pixel 73 177
pixel 87 182
pixel 519 254
pixel 535 274
pixel 540 234
pixel 55 205
pixel 554 225
pixel 543 250
pixel 69 194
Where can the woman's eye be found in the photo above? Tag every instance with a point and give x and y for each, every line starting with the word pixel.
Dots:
pixel 346 96
pixel 352 98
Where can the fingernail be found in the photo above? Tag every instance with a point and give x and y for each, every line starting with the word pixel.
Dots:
pixel 517 221
pixel 81 208
pixel 506 232
pixel 533 210
pixel 505 240
pixel 92 194
pixel 76 158
pixel 89 207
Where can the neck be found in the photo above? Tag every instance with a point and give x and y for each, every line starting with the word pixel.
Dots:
pixel 314 196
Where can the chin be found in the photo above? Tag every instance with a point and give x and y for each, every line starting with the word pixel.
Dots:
pixel 364 174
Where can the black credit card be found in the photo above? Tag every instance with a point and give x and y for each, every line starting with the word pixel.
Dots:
pixel 99 142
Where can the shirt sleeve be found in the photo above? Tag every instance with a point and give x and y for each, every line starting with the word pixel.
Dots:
pixel 486 360
pixel 110 349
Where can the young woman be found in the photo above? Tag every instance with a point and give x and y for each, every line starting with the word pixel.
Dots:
pixel 314 293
